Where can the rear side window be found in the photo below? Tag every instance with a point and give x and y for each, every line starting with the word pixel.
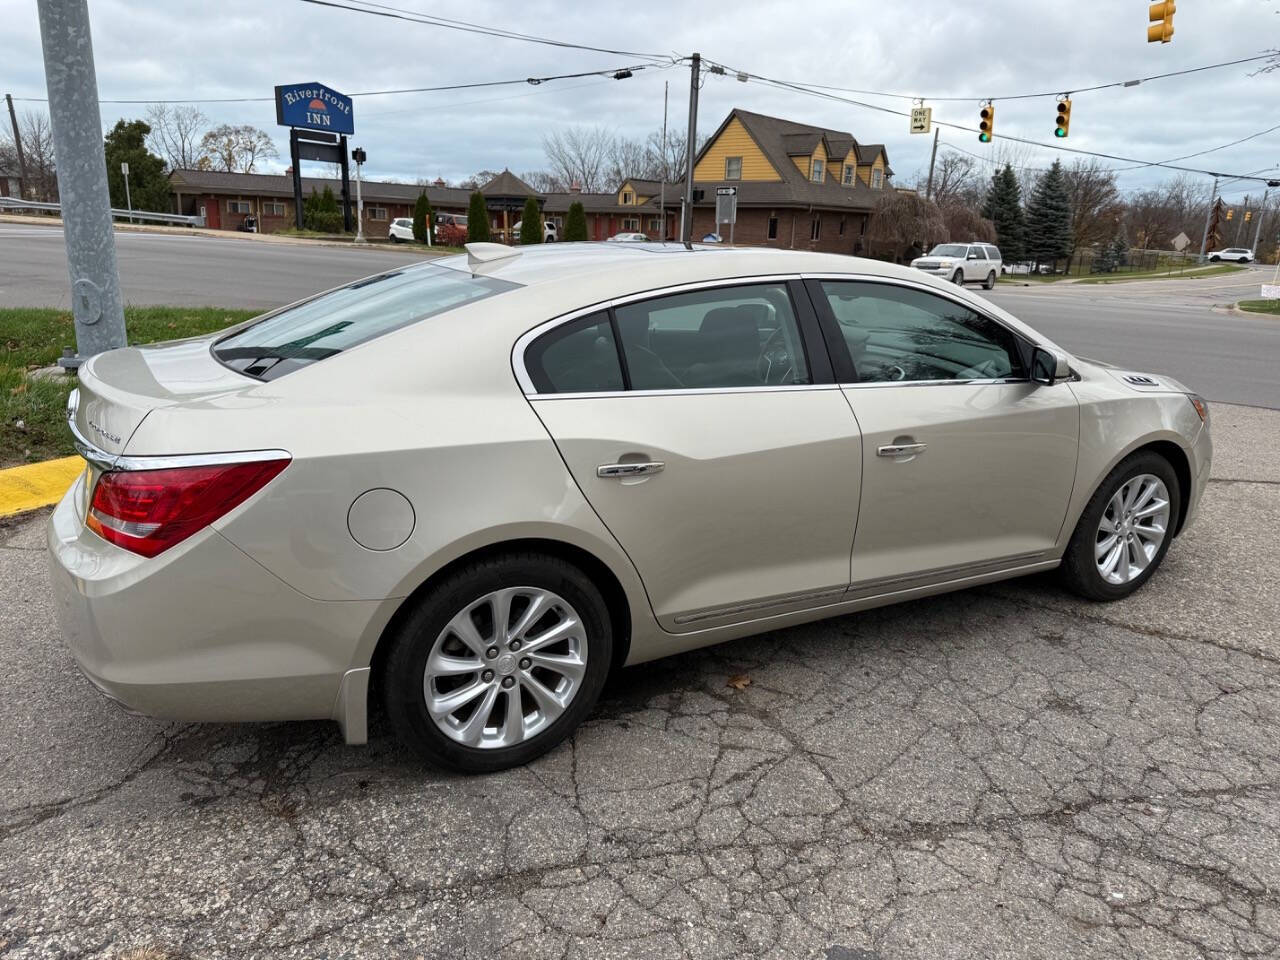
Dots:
pixel 992 253
pixel 579 357
pixel 351 315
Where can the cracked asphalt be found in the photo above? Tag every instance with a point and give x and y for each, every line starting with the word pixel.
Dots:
pixel 1003 772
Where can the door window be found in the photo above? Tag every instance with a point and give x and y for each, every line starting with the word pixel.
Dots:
pixel 577 357
pixel 902 334
pixel 739 336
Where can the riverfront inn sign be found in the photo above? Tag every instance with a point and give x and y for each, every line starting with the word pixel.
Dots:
pixel 313 106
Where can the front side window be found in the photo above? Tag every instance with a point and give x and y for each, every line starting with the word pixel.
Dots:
pixel 340 319
pixel 902 334
pixel 815 173
pixel 733 168
pixel 578 357
pixel 739 336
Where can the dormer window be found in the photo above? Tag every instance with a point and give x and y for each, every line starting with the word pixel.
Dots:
pixel 847 179
pixel 877 179
pixel 627 198
pixel 816 170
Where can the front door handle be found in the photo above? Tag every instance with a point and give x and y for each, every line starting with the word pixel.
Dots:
pixel 642 469
pixel 900 449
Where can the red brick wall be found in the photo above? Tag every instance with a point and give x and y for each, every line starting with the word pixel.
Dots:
pixel 752 229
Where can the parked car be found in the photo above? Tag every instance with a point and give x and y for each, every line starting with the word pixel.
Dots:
pixel 548 231
pixel 465 517
pixel 963 263
pixel 401 229
pixel 452 220
pixel 713 238
pixel 1235 254
pixel 628 238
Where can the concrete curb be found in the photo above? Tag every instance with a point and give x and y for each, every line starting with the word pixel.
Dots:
pixel 36 485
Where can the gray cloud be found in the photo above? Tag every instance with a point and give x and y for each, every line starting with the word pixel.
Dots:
pixel 151 49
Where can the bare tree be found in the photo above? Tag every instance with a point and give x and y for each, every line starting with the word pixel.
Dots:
pixel 1096 209
pixel 235 148
pixel 544 181
pixel 965 223
pixel 176 132
pixel 954 175
pixel 627 158
pixel 37 149
pixel 477 180
pixel 903 222
pixel 580 155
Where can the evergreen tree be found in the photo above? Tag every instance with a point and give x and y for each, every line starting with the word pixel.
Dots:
pixel 1049 217
pixel 478 220
pixel 320 212
pixel 148 185
pixel 1120 250
pixel 422 218
pixel 531 223
pixel 1003 207
pixel 575 225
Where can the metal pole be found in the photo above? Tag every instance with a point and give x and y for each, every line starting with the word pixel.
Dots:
pixel 1240 225
pixel 1262 212
pixel 128 203
pixel 82 176
pixel 17 145
pixel 346 185
pixel 928 189
pixel 662 186
pixel 359 208
pixel 686 207
pixel 295 161
pixel 1213 199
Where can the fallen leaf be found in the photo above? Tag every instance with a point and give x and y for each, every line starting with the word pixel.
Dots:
pixel 739 681
pixel 20 388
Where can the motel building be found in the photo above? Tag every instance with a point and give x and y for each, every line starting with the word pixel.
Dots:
pixel 799 187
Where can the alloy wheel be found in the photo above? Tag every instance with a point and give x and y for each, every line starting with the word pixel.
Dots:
pixel 1132 529
pixel 505 667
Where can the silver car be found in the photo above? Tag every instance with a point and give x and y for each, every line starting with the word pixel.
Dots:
pixel 473 487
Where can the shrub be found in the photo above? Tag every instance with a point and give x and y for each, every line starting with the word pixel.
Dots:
pixel 531 223
pixel 575 226
pixel 422 217
pixel 478 220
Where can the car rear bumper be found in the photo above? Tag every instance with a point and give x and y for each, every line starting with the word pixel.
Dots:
pixel 202 632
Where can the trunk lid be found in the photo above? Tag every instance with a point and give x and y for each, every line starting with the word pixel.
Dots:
pixel 119 388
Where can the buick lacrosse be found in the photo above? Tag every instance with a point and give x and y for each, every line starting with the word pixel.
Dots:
pixel 472 487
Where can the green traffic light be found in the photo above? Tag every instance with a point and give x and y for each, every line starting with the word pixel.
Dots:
pixel 984 137
pixel 1059 132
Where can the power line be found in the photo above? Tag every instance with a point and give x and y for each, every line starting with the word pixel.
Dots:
pixel 1053 93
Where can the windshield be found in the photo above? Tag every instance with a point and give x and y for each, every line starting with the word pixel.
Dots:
pixel 351 315
pixel 949 250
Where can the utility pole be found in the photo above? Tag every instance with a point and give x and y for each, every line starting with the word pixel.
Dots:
pixel 1240 225
pixel 1257 234
pixel 1213 199
pixel 662 186
pixel 82 177
pixel 686 207
pixel 928 189
pixel 17 145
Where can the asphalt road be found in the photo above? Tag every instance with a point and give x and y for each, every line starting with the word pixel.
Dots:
pixel 1004 772
pixel 1164 326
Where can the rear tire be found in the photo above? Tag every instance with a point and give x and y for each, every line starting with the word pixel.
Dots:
pixel 1080 571
pixel 428 627
pixel 990 282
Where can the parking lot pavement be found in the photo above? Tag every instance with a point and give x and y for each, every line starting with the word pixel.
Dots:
pixel 1004 772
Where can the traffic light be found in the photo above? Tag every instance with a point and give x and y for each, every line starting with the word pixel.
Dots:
pixel 987 122
pixel 1064 117
pixel 1231 212
pixel 1248 215
pixel 1161 16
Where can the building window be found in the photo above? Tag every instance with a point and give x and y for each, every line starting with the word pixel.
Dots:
pixel 815 227
pixel 273 208
pixel 655 225
pixel 377 213
pixel 773 227
pixel 848 175
pixel 733 168
pixel 627 198
pixel 815 173
pixel 558 221
pixel 877 179
pixel 842 225
pixel 630 224
pixel 237 206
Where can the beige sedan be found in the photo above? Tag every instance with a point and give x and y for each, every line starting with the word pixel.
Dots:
pixel 472 487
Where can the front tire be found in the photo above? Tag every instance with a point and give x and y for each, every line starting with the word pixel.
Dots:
pixel 1215 259
pixel 1125 529
pixel 498 663
pixel 990 282
pixel 958 278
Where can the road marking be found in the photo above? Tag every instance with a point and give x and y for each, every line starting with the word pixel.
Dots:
pixel 36 484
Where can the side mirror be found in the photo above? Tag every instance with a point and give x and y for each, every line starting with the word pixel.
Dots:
pixel 1049 366
pixel 972 255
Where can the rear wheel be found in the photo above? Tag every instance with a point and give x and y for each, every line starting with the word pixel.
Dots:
pixel 990 282
pixel 958 278
pixel 499 663
pixel 1125 529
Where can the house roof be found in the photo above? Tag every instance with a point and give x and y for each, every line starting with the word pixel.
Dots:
pixel 281 185
pixel 777 139
pixel 650 187
pixel 596 203
pixel 507 184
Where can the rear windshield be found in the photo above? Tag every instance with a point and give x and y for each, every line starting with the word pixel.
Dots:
pixel 351 315
pixel 949 250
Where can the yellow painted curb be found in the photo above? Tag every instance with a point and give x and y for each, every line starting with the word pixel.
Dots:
pixel 36 484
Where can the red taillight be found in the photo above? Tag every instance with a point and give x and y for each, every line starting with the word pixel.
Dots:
pixel 148 511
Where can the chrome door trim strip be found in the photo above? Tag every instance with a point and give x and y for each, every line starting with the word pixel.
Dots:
pixel 968 569
pixel 522 343
pixel 759 605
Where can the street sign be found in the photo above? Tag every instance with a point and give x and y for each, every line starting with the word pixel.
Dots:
pixel 921 119
pixel 124 167
pixel 313 106
pixel 1180 242
pixel 726 205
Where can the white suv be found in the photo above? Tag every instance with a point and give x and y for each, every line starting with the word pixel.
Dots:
pixel 963 263
pixel 1238 254
pixel 401 229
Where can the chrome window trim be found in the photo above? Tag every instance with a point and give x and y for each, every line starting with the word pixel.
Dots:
pixel 945 295
pixel 526 338
pixel 680 392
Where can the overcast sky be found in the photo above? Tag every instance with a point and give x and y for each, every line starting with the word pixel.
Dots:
pixel 173 49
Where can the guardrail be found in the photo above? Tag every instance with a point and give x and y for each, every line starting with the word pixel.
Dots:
pixel 13 203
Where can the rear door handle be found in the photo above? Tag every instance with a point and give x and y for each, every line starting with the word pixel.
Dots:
pixel 643 469
pixel 901 449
